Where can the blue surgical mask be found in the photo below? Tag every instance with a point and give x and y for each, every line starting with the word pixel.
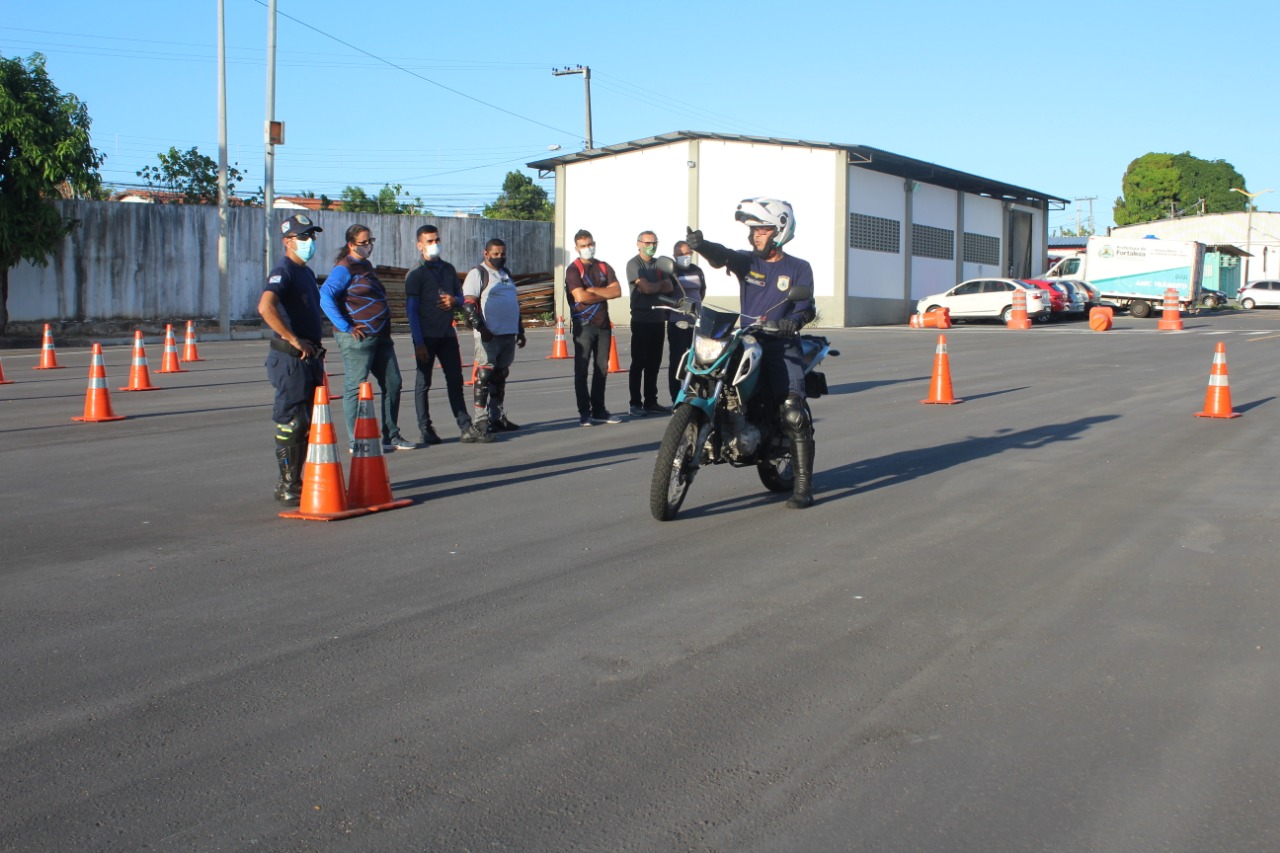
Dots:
pixel 304 249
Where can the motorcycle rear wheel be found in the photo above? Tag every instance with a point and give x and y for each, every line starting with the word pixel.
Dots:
pixel 677 463
pixel 777 474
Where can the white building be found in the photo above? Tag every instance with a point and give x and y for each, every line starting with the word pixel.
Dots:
pixel 1223 229
pixel 881 230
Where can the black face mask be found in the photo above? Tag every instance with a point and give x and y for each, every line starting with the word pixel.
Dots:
pixel 497 263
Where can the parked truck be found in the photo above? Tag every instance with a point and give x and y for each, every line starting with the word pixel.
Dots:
pixel 1134 274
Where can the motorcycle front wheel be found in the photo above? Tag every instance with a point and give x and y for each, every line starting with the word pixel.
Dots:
pixel 677 463
pixel 777 473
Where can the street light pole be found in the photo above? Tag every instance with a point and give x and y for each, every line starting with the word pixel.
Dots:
pixel 1248 237
pixel 585 71
pixel 224 215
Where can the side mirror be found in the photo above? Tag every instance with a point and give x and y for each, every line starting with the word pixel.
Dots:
pixel 666 265
pixel 799 293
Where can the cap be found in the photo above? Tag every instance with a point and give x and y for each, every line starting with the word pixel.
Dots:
pixel 298 224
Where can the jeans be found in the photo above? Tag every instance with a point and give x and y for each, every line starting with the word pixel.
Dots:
pixel 678 342
pixel 646 361
pixel 499 354
pixel 448 353
pixel 374 355
pixel 590 349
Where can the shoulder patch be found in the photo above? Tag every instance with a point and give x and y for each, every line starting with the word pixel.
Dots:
pixel 275 279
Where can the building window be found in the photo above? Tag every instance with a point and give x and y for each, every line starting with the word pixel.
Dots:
pixel 930 242
pixel 981 249
pixel 875 233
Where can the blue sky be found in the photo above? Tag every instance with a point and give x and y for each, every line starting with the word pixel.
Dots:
pixel 1057 98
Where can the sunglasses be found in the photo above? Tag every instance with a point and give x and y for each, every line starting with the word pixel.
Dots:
pixel 304 237
pixel 368 242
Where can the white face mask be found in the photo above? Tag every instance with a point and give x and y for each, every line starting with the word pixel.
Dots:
pixel 684 261
pixel 432 252
pixel 587 253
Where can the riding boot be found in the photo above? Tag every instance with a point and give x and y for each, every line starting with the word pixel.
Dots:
pixel 290 458
pixel 802 470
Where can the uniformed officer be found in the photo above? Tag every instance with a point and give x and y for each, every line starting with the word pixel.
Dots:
pixel 290 305
pixel 766 273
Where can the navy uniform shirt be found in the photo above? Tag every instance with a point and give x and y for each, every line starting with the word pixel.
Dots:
pixel 295 286
pixel 765 286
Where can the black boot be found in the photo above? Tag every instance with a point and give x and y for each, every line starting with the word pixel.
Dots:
pixel 802 470
pixel 290 458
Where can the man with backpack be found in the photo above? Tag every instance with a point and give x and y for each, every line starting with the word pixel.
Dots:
pixel 493 306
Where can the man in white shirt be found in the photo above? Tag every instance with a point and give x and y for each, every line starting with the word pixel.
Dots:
pixel 493 305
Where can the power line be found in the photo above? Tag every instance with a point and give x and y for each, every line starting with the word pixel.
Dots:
pixel 419 76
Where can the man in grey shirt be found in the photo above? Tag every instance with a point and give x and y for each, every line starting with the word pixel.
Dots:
pixel 493 305
pixel 648 326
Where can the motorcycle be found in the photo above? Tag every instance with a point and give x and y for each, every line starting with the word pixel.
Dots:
pixel 718 416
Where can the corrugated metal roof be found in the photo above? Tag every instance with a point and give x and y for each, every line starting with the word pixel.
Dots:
pixel 863 156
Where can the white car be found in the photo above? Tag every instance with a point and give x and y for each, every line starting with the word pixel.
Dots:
pixel 987 298
pixel 1259 294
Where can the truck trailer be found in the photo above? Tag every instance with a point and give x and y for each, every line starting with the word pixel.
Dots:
pixel 1135 274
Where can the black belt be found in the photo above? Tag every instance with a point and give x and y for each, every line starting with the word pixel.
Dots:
pixel 281 345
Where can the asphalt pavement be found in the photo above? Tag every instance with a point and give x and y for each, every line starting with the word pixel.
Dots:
pixel 1044 619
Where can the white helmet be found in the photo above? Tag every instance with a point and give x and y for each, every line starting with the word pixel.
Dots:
pixel 768 211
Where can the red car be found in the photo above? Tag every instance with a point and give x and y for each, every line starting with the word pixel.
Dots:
pixel 1057 299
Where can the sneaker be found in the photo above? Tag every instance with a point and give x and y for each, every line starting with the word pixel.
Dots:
pixel 605 418
pixel 637 412
pixel 399 444
pixel 505 425
pixel 467 437
pixel 656 409
pixel 476 434
pixel 429 436
pixel 585 420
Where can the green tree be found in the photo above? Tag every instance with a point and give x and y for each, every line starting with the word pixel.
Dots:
pixel 1157 186
pixel 521 198
pixel 45 151
pixel 189 177
pixel 388 200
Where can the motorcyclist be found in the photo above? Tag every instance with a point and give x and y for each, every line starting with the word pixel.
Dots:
pixel 765 274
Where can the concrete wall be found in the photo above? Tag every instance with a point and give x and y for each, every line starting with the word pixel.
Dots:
pixel 160 262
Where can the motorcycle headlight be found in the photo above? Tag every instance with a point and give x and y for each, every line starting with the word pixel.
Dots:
pixel 707 350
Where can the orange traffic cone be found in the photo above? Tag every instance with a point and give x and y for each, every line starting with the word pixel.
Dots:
pixel 939 318
pixel 4 381
pixel 97 400
pixel 1100 318
pixel 370 483
pixel 1217 399
pixel 560 348
pixel 48 355
pixel 1171 318
pixel 139 376
pixel 170 363
pixel 614 366
pixel 940 384
pixel 1019 319
pixel 324 497
pixel 189 350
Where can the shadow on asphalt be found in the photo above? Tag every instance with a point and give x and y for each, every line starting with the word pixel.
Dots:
pixel 1244 407
pixel 461 482
pixel 897 468
pixel 855 387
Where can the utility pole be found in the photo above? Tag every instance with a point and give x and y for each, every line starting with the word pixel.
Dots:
pixel 1091 199
pixel 269 157
pixel 1248 229
pixel 224 215
pixel 585 71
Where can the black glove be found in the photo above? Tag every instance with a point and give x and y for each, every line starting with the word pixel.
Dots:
pixel 520 339
pixel 788 326
pixel 693 238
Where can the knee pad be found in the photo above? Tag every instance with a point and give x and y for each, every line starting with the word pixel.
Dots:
pixel 484 373
pixel 294 431
pixel 795 417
